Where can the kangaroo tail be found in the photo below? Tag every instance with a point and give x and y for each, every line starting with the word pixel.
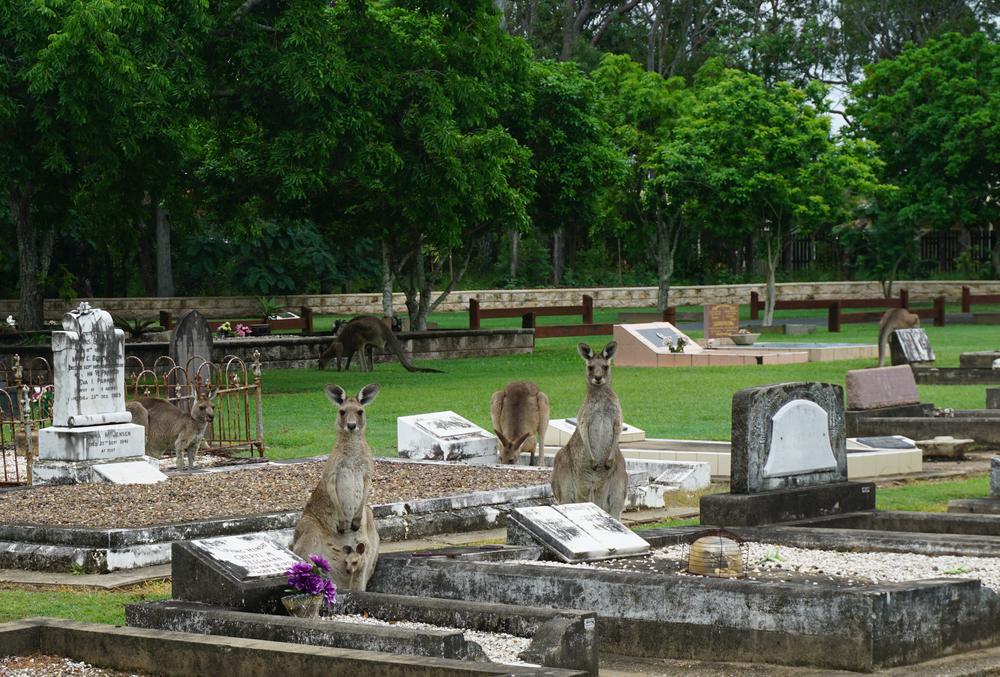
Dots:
pixel 397 348
pixel 882 339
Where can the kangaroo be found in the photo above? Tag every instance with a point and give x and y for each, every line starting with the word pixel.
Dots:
pixel 361 336
pixel 352 555
pixel 520 411
pixel 893 319
pixel 168 428
pixel 591 466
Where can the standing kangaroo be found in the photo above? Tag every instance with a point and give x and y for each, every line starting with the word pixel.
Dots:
pixel 361 336
pixel 337 513
pixel 591 466
pixel 893 319
pixel 520 411
pixel 168 428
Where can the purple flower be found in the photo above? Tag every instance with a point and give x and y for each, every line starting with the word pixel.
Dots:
pixel 311 578
pixel 320 562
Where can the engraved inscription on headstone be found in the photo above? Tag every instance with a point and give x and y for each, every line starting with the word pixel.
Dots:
pixel 447 424
pixel 661 335
pixel 721 319
pixel 248 556
pixel 910 346
pixel 444 436
pixel 576 532
pixel 800 441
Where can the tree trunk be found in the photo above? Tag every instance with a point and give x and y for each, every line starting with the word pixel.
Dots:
pixel 387 278
pixel 145 258
pixel 558 255
pixel 515 238
pixel 773 257
pixel 34 250
pixel 667 235
pixel 164 267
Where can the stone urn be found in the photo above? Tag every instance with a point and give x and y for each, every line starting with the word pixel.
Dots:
pixel 744 339
pixel 303 605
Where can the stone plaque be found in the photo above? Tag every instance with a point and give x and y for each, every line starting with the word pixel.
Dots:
pixel 881 387
pixel 800 441
pixel 888 442
pixel 993 398
pixel 191 338
pixel 774 446
pixel 662 335
pixel 445 436
pixel 248 556
pixel 575 532
pixel 721 319
pixel 99 443
pixel 89 370
pixel 910 346
pixel 130 472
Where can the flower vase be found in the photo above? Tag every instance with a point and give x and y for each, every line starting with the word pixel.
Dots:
pixel 303 605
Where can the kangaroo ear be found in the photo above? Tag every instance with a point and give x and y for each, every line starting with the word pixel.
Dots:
pixel 347 549
pixel 609 350
pixel 368 393
pixel 520 440
pixel 360 549
pixel 336 394
pixel 212 393
pixel 585 351
pixel 503 440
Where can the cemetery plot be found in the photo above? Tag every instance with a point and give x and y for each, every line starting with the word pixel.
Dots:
pixel 445 436
pixel 655 344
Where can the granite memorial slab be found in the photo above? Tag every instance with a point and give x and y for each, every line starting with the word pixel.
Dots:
pixel 881 387
pixel 575 532
pixel 245 572
pixel 445 436
pixel 191 343
pixel 721 319
pixel 910 346
pixel 993 398
pixel 131 472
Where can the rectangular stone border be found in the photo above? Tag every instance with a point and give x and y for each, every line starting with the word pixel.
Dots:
pixel 645 614
pixel 183 654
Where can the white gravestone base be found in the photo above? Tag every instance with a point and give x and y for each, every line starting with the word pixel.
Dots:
pixel 79 472
pixel 121 440
pixel 131 472
pixel 561 429
pixel 445 436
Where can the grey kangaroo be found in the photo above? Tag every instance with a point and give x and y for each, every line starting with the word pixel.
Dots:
pixel 893 319
pixel 519 412
pixel 168 428
pixel 361 336
pixel 591 466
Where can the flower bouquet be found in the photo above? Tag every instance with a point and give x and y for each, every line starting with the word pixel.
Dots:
pixel 310 587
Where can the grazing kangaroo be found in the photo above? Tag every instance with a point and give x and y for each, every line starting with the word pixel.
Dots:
pixel 168 428
pixel 361 336
pixel 893 319
pixel 337 513
pixel 520 411
pixel 591 466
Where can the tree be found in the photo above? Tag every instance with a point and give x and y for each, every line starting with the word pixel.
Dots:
pixel 81 86
pixel 753 159
pixel 641 108
pixel 934 112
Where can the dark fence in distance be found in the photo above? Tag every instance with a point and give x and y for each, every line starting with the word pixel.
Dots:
pixel 835 308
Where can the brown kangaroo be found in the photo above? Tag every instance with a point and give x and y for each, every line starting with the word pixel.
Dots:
pixel 591 466
pixel 362 336
pixel 519 412
pixel 893 319
pixel 168 428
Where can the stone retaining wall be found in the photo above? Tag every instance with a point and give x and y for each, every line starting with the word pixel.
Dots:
pixel 604 297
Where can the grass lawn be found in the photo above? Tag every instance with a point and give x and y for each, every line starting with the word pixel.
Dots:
pixel 92 606
pixel 692 402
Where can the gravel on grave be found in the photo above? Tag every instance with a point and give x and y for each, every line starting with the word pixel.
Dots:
pixel 770 562
pixel 42 665
pixel 256 490
pixel 498 646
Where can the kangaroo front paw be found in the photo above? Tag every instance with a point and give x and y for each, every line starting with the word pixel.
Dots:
pixel 342 526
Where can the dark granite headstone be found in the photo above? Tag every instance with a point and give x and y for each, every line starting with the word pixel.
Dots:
pixel 576 532
pixel 910 346
pixel 191 338
pixel 887 442
pixel 240 572
pixel 995 477
pixel 993 398
pixel 788 435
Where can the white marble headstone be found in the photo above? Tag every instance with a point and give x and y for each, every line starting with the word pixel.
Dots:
pixel 800 440
pixel 577 532
pixel 248 555
pixel 444 436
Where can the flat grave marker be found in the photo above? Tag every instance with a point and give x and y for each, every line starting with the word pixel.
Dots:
pixel 130 472
pixel 721 319
pixel 445 436
pixel 576 532
pixel 910 346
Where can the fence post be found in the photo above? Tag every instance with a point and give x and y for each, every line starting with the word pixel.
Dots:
pixel 939 311
pixel 24 404
pixel 307 319
pixel 528 321
pixel 670 314
pixel 165 319
pixel 259 402
pixel 588 309
pixel 904 298
pixel 966 299
pixel 833 317
pixel 754 300
pixel 473 313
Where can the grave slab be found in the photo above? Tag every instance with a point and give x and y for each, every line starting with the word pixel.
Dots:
pixel 910 346
pixel 575 532
pixel 993 398
pixel 130 472
pixel 995 477
pixel 881 442
pixel 881 387
pixel 945 445
pixel 684 476
pixel 239 572
pixel 561 429
pixel 721 320
pixel 96 443
pixel 983 359
pixel 445 436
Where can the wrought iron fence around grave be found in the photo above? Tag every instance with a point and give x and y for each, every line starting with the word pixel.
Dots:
pixel 239 411
pixel 26 395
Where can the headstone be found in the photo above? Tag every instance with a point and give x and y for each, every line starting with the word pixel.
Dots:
pixel 191 338
pixel 130 472
pixel 788 435
pixel 993 398
pixel 243 572
pixel 983 359
pixel 575 532
pixel 686 476
pixel 995 477
pixel 90 425
pixel 721 319
pixel 445 436
pixel 910 346
pixel 881 387
pixel 561 429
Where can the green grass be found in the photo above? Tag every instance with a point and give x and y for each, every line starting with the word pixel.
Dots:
pixel 692 402
pixel 79 605
pixel 930 496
